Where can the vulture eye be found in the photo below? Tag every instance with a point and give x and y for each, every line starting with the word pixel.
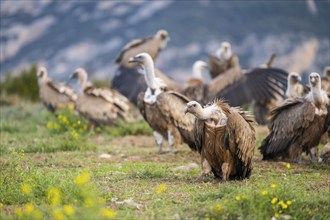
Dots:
pixel 194 105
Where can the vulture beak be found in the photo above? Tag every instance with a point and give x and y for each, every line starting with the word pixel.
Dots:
pixel 186 110
pixel 299 78
pixel 135 60
pixel 313 80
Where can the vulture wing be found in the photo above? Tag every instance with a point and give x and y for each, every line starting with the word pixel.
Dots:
pixel 129 45
pixel 288 122
pixel 199 134
pixel 259 84
pixel 63 89
pixel 241 137
pixel 172 104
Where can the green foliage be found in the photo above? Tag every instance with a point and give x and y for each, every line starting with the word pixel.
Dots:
pixel 24 84
pixel 123 128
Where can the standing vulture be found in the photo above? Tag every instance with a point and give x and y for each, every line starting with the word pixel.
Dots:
pixel 128 73
pixel 294 89
pixel 163 110
pixel 54 94
pixel 223 60
pixel 225 138
pixel 297 124
pixel 101 106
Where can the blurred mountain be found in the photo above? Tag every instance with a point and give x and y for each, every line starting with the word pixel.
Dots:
pixel 66 35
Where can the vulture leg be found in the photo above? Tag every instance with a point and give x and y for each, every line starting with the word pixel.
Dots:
pixel 206 169
pixel 170 139
pixel 295 152
pixel 159 141
pixel 225 171
pixel 313 154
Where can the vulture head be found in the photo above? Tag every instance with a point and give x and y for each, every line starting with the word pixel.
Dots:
pixel 224 52
pixel 198 68
pixel 162 35
pixel 315 80
pixel 42 74
pixel 194 108
pixel 293 78
pixel 81 75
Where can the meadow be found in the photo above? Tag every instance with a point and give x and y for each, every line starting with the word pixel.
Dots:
pixel 56 167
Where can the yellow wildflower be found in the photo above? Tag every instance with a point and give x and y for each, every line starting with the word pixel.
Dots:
pixel 276 215
pixel 161 188
pixel 50 125
pixel 264 192
pixel 58 215
pixel 29 208
pixel 273 185
pixel 282 204
pixel 107 213
pixel 82 178
pixel 289 202
pixel 18 212
pixel 89 202
pixel 54 196
pixel 1 205
pixel 238 198
pixel 68 210
pixel 218 207
pixel 74 134
pixel 274 200
pixel 26 188
pixel 288 165
pixel 60 105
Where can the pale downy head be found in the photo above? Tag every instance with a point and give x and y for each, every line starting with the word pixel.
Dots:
pixel 194 108
pixel 81 75
pixel 42 74
pixel 294 78
pixel 315 80
pixel 162 35
pixel 198 68
pixel 145 60
pixel 224 52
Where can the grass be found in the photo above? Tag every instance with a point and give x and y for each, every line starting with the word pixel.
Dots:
pixel 115 172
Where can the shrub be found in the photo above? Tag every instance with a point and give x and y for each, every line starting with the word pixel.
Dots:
pixel 24 85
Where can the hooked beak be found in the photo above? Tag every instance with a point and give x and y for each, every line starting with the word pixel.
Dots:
pixel 299 78
pixel 131 60
pixel 186 110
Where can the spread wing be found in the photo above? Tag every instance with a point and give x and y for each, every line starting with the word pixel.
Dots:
pixel 288 122
pixel 259 84
pixel 172 105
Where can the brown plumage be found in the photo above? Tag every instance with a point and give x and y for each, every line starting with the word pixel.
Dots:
pixel 102 106
pixel 53 94
pixel 151 45
pixel 163 110
pixel 297 124
pixel 225 138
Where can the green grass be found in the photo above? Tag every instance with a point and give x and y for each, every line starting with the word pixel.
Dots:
pixel 59 172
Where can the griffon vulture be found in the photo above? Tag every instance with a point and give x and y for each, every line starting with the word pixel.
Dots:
pixel 325 156
pixel 54 94
pixel 225 138
pixel 163 110
pixel 297 125
pixel 128 73
pixel 101 106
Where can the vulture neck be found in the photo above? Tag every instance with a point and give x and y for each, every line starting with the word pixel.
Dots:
pixel 212 115
pixel 197 72
pixel 83 81
pixel 153 87
pixel 318 96
pixel 291 90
